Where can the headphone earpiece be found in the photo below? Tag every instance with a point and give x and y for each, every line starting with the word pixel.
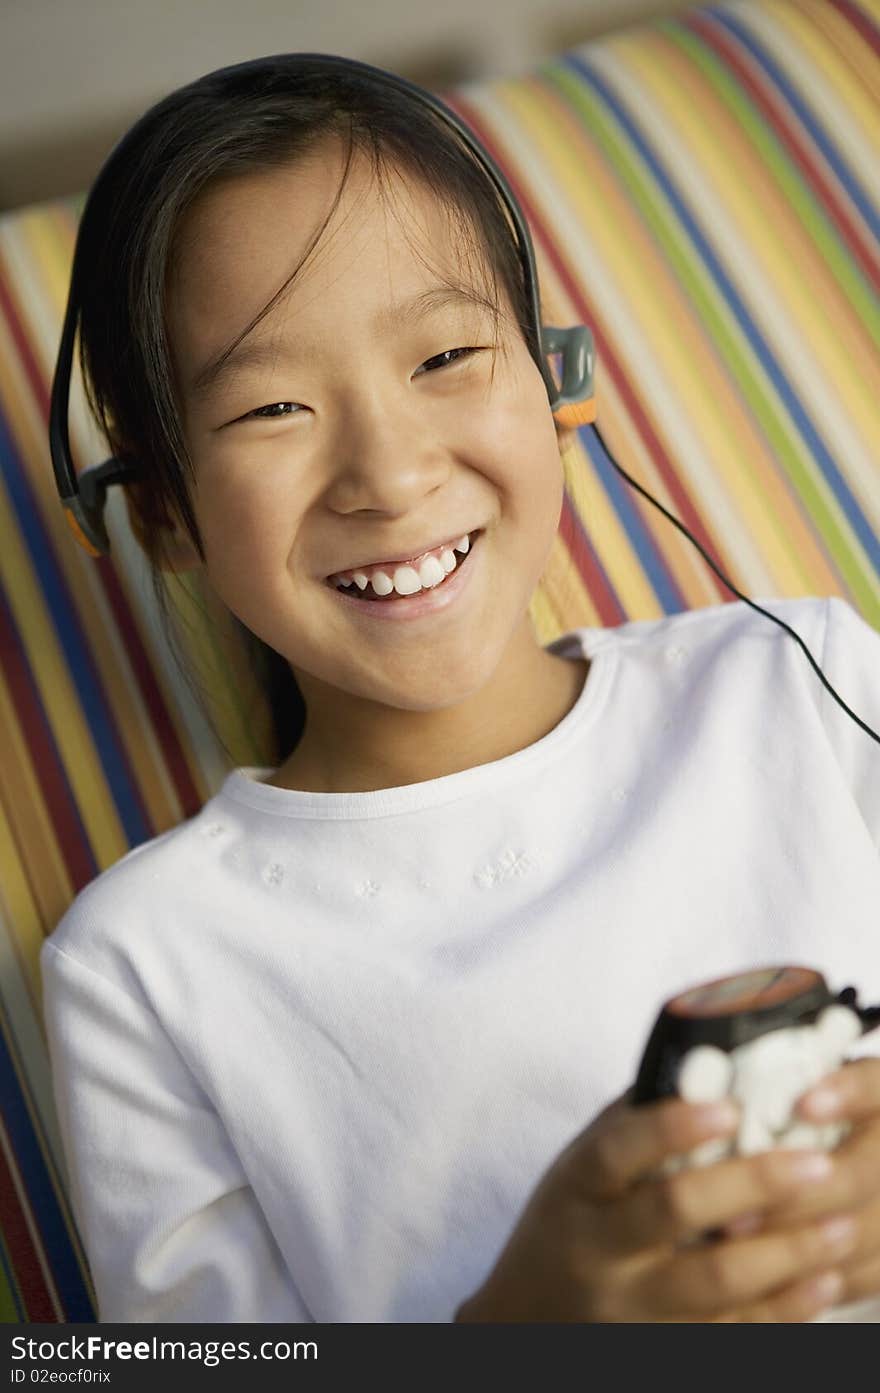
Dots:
pixel 574 402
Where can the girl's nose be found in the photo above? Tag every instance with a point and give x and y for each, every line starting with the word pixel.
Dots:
pixel 385 460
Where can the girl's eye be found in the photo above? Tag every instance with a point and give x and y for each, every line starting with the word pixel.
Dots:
pixel 445 359
pixel 260 409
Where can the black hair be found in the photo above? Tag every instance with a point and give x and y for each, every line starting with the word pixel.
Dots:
pixel 220 126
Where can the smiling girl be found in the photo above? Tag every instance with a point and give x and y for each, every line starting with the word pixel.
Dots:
pixel 390 455
pixel 354 1043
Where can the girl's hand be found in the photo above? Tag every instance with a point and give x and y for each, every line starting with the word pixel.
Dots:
pixel 605 1238
pixel 853 1183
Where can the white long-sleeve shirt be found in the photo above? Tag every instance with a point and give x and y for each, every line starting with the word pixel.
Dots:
pixel 312 1052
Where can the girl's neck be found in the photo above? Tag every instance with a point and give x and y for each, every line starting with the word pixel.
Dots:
pixel 338 755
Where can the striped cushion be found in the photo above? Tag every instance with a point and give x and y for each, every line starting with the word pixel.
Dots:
pixel 702 192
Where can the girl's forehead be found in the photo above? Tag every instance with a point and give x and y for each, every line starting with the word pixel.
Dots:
pixel 242 238
pixel 302 207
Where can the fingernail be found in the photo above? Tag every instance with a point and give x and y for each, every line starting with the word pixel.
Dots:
pixel 745 1224
pixel 839 1232
pixel 823 1103
pixel 827 1288
pixel 716 1117
pixel 810 1165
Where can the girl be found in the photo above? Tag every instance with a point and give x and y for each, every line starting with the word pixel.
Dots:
pixel 354 1043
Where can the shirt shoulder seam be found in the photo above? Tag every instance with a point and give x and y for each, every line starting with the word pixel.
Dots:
pixel 106 981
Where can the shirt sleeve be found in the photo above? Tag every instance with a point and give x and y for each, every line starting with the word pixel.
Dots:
pixel 171 1227
pixel 851 662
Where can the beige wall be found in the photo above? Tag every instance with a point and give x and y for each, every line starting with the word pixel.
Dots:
pixel 75 74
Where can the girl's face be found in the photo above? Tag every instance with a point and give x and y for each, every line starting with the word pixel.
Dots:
pixel 348 440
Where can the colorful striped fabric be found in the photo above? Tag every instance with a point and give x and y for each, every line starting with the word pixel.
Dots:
pixel 703 191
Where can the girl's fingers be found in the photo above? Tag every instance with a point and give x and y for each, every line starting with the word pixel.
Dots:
pixel 850 1094
pixel 802 1301
pixel 674 1209
pixel 851 1185
pixel 861 1268
pixel 626 1143
pixel 744 1273
pixel 861 1280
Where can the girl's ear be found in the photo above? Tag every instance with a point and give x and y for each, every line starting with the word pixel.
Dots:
pixel 178 552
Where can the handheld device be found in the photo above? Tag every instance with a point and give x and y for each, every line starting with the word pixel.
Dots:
pixel 761 1037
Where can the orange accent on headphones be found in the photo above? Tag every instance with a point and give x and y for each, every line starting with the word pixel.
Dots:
pixel 79 534
pixel 577 413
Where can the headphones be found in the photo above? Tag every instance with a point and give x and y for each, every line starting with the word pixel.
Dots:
pixel 572 404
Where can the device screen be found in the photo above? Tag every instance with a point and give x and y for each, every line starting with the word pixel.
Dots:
pixel 744 991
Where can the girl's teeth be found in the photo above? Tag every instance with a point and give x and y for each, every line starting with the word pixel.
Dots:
pixel 408 580
pixel 431 572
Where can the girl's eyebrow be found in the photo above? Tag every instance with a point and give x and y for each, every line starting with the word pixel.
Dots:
pixel 258 353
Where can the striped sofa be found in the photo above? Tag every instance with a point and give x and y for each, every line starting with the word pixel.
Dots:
pixel 703 192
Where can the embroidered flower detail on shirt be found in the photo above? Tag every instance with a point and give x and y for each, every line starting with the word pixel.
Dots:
pixel 367 889
pixel 273 874
pixel 510 864
pixel 212 829
pixel 424 885
pixel 675 654
pixel 620 795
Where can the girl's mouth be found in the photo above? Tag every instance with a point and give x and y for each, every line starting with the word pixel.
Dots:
pixel 427 600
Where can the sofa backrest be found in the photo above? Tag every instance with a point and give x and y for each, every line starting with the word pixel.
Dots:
pixel 702 192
